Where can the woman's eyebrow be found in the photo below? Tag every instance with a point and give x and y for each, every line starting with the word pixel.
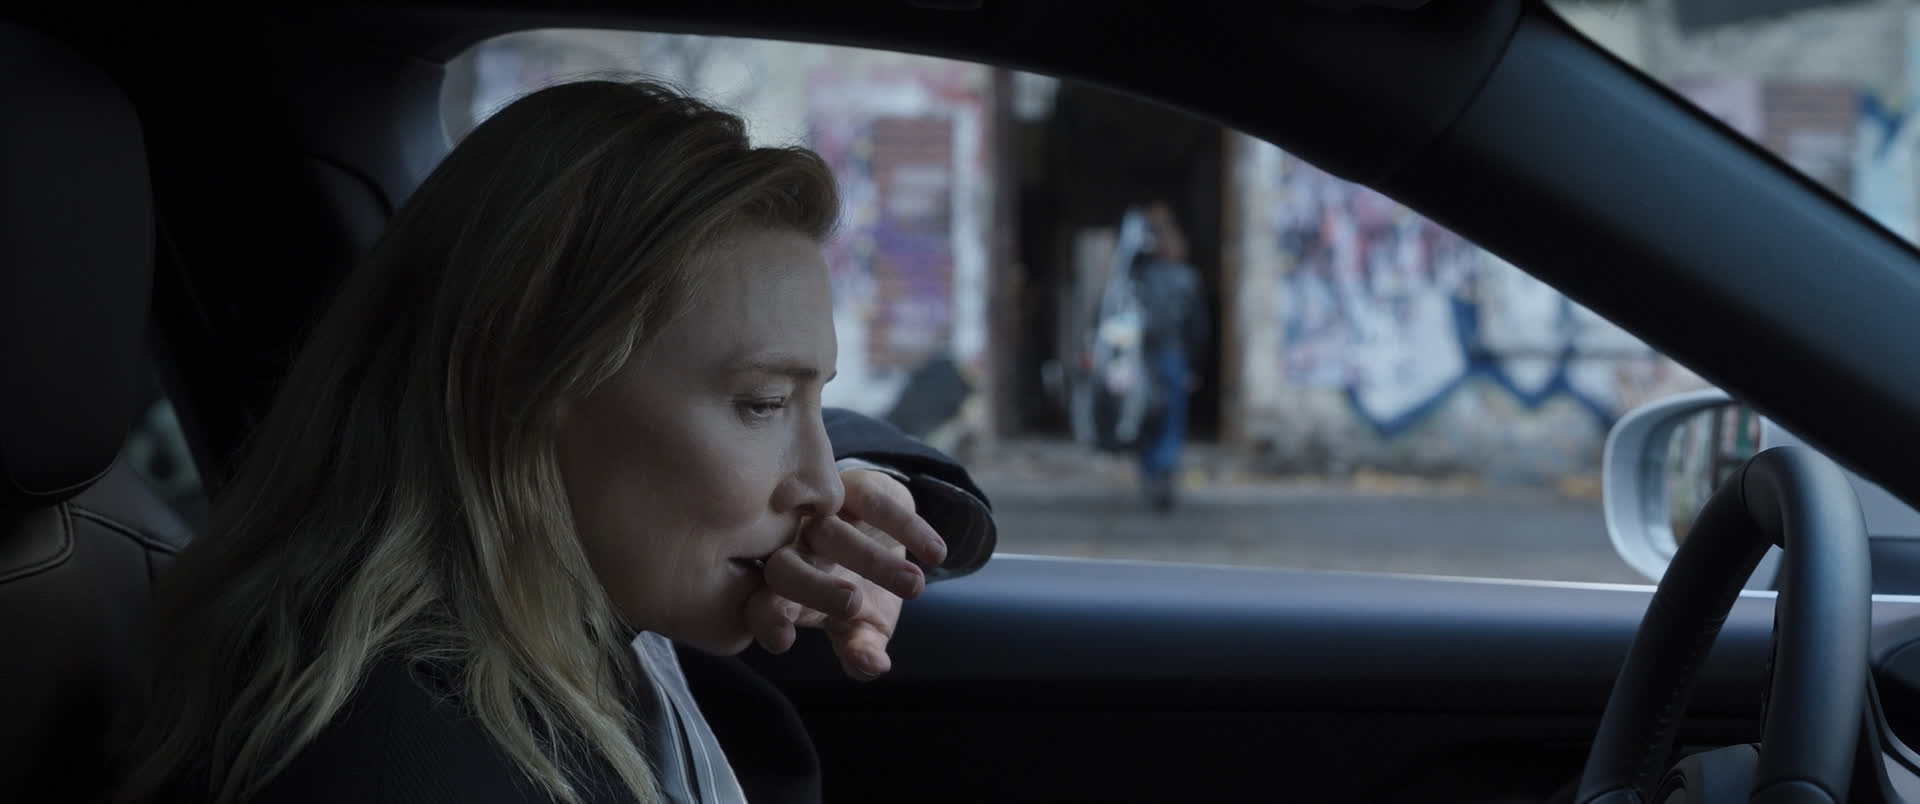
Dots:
pixel 781 365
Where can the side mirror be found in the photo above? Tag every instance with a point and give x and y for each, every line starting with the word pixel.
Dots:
pixel 1662 461
pixel 1664 458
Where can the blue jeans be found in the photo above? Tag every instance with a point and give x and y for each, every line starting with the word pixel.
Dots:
pixel 1160 451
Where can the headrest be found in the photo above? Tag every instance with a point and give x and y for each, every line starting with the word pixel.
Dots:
pixel 76 269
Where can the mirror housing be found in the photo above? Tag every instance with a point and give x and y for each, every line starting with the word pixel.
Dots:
pixel 1634 496
pixel 1633 484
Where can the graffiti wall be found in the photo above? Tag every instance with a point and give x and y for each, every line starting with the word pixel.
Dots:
pixel 1397 345
pixel 1372 302
pixel 1399 313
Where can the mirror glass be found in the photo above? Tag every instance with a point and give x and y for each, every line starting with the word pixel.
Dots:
pixel 1703 450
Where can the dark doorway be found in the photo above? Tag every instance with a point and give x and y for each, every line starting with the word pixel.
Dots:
pixel 1080 168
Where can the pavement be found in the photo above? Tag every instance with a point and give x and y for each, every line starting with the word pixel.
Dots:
pixel 1055 498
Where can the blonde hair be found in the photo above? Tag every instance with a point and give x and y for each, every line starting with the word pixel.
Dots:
pixel 401 500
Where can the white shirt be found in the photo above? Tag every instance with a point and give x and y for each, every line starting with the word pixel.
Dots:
pixel 687 758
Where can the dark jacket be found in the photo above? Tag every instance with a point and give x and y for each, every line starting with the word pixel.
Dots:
pixel 1176 305
pixel 401 738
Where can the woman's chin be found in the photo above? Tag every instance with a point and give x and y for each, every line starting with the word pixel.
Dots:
pixel 720 644
pixel 735 646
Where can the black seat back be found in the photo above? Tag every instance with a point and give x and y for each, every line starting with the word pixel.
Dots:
pixel 81 538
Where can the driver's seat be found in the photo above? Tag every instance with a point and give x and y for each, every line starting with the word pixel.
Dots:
pixel 81 537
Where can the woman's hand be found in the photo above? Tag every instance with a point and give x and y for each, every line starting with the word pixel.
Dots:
pixel 849 575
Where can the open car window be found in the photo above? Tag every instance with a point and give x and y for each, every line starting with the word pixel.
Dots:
pixel 1378 393
pixel 1367 391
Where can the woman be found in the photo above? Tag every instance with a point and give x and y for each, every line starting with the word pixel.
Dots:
pixel 567 414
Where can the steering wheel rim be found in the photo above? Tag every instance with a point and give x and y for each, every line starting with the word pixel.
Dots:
pixel 1797 499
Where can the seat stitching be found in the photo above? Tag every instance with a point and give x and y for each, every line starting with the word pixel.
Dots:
pixel 59 557
pixel 137 534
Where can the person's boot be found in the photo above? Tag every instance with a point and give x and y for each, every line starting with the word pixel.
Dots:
pixel 1160 492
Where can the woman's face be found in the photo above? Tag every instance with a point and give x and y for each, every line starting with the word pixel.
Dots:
pixel 707 449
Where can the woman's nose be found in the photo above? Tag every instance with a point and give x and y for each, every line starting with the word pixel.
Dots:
pixel 815 485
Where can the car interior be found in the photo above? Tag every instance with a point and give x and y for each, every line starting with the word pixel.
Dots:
pixel 181 202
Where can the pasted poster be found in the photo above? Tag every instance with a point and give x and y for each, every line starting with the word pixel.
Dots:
pixel 897 140
pixel 1370 301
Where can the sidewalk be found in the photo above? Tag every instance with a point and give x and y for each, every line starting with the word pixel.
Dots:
pixel 1037 471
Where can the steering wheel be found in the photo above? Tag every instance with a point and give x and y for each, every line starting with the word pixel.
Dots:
pixel 1798 499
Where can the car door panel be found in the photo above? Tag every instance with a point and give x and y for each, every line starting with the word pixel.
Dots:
pixel 1043 678
pixel 1896 565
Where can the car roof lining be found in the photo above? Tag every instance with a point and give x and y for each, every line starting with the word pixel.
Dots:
pixel 1355 68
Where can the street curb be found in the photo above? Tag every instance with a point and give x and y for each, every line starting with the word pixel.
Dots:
pixel 1027 494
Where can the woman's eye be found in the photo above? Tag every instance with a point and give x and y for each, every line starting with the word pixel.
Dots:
pixel 760 409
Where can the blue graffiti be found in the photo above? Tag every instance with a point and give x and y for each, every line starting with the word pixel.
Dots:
pixel 1883 155
pixel 1390 309
pixel 1485 365
pixel 1881 120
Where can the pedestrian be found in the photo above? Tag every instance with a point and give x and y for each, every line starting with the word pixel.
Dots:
pixel 1176 334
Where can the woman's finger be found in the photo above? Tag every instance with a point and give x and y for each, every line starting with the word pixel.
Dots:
pixel 791 575
pixel 884 503
pixel 770 618
pixel 843 543
pixel 862 649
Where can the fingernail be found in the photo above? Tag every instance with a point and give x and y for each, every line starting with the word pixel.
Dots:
pixel 907 581
pixel 849 600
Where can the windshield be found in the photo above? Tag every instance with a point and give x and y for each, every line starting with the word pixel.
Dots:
pixel 1823 84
